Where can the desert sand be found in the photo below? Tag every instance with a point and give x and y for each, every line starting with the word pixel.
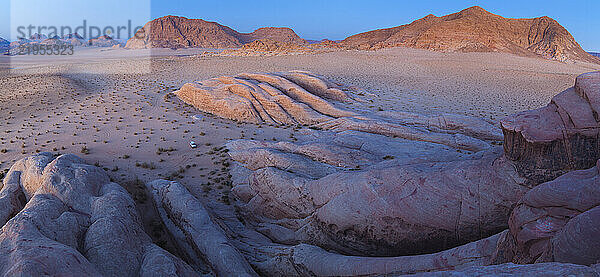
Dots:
pixel 116 110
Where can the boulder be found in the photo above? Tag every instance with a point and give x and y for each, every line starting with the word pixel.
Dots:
pixel 561 137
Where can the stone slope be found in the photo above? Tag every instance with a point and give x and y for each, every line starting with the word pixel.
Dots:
pixel 476 30
pixel 180 32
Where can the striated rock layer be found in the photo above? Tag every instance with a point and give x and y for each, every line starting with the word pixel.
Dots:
pixel 62 217
pixel 180 32
pixel 477 30
pixel 304 98
pixel 557 221
pixel 380 184
pixel 560 137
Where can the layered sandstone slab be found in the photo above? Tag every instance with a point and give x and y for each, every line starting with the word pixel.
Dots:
pixel 221 244
pixel 560 137
pixel 63 217
pixel 477 30
pixel 304 98
pixel 364 194
pixel 189 222
pixel 558 221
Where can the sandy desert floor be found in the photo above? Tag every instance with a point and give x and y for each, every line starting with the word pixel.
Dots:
pixel 116 110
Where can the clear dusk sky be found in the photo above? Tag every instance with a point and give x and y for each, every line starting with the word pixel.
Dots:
pixel 311 19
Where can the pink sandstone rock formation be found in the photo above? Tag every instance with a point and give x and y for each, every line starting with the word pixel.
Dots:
pixel 560 137
pixel 558 221
pixel 62 217
pixel 338 202
pixel 303 98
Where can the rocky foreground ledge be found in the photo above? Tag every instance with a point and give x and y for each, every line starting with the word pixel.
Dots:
pixel 341 201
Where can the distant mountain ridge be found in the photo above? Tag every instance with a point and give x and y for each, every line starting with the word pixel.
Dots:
pixel 595 54
pixel 477 30
pixel 4 45
pixel 181 32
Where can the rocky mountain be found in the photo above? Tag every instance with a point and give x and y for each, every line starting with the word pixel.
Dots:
pixel 74 39
pixel 180 32
pixel 38 37
pixel 4 45
pixel 477 30
pixel 103 41
pixel 285 35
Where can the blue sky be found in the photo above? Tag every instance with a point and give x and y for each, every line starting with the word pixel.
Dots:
pixel 311 19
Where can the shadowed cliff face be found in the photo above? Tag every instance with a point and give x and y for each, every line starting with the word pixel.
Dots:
pixel 180 32
pixel 477 30
pixel 561 137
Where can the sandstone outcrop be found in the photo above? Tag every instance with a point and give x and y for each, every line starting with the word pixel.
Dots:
pixel 303 98
pixel 558 221
pixel 477 30
pixel 301 192
pixel 180 32
pixel 62 217
pixel 346 198
pixel 365 194
pixel 560 137
pixel 88 226
pixel 191 223
pixel 355 187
